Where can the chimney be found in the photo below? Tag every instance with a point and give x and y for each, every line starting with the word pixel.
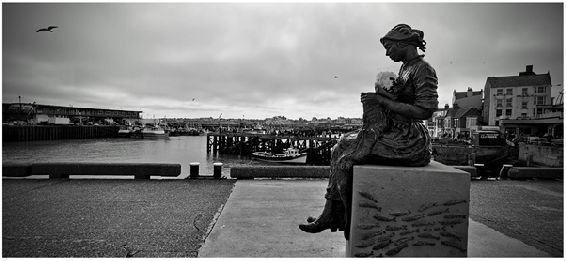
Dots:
pixel 528 71
pixel 469 94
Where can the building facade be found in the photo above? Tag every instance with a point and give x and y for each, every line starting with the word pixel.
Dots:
pixel 49 114
pixel 516 97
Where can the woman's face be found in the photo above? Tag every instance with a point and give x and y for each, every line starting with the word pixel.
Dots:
pixel 394 50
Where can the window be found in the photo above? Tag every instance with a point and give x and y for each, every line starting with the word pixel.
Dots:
pixel 539 111
pixel 457 123
pixel 499 103
pixel 525 91
pixel 470 122
pixel 523 115
pixel 509 102
pixel 509 91
pixel 498 112
pixel 499 91
pixel 541 89
pixel 524 104
pixel 508 112
pixel 540 100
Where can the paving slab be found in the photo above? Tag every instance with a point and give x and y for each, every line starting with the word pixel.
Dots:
pixel 261 217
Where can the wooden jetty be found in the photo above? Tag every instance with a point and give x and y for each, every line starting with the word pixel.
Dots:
pixel 317 148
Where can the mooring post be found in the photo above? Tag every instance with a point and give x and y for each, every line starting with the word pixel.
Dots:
pixel 217 170
pixel 194 169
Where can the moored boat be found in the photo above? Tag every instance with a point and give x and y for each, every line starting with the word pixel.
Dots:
pixel 290 155
pixel 485 147
pixel 125 131
pixel 152 131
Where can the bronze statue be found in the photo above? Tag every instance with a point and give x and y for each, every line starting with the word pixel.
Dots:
pixel 393 132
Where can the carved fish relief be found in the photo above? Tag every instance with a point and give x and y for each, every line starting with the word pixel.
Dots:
pixel 367 236
pixel 382 218
pixel 454 202
pixel 403 240
pixel 424 207
pixel 363 254
pixel 424 243
pixel 367 226
pixel 423 224
pixel 368 205
pixel 448 234
pixel 450 222
pixel 368 196
pixel 364 244
pixel 428 235
pixel 396 250
pixel 392 228
pixel 382 245
pixel 385 237
pixel 438 212
pixel 412 218
pixel 398 214
pixel 402 233
pixel 454 245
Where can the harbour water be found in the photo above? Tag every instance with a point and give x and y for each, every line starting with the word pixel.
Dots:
pixel 182 150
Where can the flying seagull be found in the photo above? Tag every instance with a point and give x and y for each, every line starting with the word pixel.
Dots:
pixel 48 29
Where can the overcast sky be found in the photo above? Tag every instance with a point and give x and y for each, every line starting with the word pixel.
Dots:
pixel 259 60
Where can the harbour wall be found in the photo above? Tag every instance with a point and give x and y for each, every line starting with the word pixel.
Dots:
pixel 549 156
pixel 57 132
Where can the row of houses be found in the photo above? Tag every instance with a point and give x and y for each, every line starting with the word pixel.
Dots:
pixel 518 106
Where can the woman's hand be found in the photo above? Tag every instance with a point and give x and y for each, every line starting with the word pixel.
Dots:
pixel 371 97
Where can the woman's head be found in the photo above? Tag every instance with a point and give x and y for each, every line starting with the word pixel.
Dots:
pixel 401 38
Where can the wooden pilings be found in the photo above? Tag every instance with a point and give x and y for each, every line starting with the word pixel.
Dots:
pixel 57 132
pixel 317 148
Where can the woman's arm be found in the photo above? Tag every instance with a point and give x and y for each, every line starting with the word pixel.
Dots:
pixel 405 109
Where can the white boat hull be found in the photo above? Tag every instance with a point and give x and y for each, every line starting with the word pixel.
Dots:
pixel 302 159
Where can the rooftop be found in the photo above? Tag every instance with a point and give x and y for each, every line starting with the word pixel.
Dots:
pixel 518 81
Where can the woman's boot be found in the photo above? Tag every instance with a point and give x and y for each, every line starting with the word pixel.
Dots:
pixel 329 219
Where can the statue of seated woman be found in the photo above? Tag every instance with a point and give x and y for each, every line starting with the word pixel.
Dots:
pixel 392 133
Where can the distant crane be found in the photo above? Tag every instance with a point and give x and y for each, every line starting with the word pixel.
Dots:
pixel 48 29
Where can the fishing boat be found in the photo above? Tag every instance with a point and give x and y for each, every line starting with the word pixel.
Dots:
pixel 154 131
pixel 485 147
pixel 125 131
pixel 290 155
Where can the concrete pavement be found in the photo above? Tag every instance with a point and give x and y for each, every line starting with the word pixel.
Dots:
pixel 261 217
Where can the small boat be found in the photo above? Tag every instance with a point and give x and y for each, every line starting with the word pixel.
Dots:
pixel 290 155
pixel 152 131
pixel 125 131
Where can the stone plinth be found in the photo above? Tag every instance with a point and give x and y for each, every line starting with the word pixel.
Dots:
pixel 409 211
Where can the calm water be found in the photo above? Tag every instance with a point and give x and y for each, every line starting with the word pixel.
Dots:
pixel 182 150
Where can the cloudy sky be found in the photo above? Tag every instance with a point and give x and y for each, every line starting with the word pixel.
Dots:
pixel 259 60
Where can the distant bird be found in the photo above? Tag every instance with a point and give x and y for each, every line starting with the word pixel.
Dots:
pixel 48 29
pixel 335 76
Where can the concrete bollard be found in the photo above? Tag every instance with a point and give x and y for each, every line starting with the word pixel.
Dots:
pixel 505 171
pixel 217 170
pixel 193 173
pixel 480 170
